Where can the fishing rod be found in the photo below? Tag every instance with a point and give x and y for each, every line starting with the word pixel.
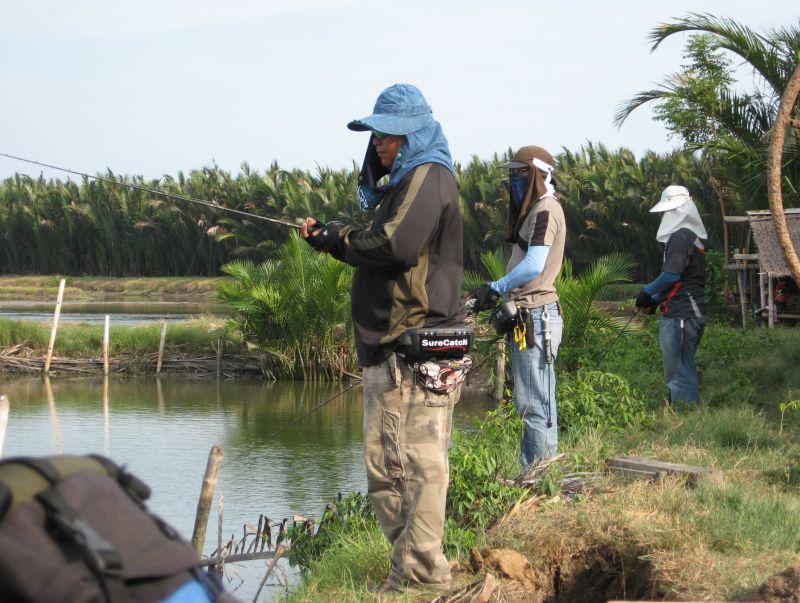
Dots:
pixel 316 408
pixel 611 345
pixel 153 191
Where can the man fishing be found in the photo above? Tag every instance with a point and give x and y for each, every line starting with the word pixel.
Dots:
pixel 408 276
pixel 679 289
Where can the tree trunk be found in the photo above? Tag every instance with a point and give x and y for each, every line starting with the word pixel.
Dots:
pixel 774 159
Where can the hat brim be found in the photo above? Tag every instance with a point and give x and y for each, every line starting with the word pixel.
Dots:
pixel 668 204
pixel 514 165
pixel 391 124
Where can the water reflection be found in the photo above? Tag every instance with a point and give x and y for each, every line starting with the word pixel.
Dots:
pixel 163 429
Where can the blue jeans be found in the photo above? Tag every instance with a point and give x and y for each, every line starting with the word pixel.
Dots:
pixel 535 389
pixel 679 338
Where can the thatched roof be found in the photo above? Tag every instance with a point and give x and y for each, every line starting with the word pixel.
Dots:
pixel 770 254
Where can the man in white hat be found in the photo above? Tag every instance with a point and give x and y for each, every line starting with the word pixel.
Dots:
pixel 679 290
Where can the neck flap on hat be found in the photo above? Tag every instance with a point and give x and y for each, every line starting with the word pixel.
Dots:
pixel 683 216
pixel 541 184
pixel 426 145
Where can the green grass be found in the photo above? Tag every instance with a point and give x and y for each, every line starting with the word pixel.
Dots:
pixel 711 542
pixel 87 287
pixel 78 340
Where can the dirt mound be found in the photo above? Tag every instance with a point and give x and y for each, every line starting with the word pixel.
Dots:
pixel 783 587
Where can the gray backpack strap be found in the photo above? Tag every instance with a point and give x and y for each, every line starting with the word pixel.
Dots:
pixel 100 555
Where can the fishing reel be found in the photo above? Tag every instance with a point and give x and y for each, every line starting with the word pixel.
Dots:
pixel 504 317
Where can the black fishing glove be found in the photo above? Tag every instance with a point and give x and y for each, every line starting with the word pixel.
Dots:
pixel 645 302
pixel 323 236
pixel 485 298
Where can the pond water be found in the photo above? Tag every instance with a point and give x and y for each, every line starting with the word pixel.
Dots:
pixel 162 431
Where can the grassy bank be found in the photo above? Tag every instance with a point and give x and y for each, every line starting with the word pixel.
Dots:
pixel 191 348
pixel 90 287
pixel 618 538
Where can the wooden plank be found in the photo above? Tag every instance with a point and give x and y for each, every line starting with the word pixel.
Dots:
pixel 746 256
pixel 641 468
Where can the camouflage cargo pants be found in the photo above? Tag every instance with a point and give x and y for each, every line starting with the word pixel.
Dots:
pixel 406 434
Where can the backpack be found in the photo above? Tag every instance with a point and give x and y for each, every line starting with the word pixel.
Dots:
pixel 76 529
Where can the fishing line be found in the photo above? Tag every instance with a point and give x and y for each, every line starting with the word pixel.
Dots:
pixel 316 408
pixel 153 191
pixel 618 336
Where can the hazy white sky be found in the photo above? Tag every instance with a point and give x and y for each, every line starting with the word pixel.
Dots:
pixel 156 86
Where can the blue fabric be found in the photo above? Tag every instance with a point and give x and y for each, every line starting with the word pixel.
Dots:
pixel 191 592
pixel 679 338
pixel 528 269
pixel 369 197
pixel 519 186
pixel 427 145
pixel 663 282
pixel 535 389
pixel 400 109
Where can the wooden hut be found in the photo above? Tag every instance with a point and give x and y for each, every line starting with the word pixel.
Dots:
pixel 761 264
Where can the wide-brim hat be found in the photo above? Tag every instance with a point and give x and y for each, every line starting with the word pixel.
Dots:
pixel 671 197
pixel 400 109
pixel 525 155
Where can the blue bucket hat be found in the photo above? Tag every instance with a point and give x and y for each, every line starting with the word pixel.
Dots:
pixel 400 109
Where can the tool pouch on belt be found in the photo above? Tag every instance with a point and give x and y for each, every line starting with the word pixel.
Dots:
pixel 442 376
pixel 438 356
pixel 75 528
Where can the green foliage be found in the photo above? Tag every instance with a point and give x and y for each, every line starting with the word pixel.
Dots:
pixel 792 404
pixel 296 309
pixel 478 461
pixel 348 515
pixel 703 106
pixel 577 295
pixel 591 398
pixel 717 283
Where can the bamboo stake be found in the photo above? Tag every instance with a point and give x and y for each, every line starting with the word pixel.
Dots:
pixel 161 347
pixel 221 553
pixel 278 552
pixel 3 421
pixel 54 328
pixel 500 372
pixel 215 457
pixel 106 331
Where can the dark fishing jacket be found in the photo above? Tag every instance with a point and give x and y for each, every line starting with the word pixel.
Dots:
pixel 408 262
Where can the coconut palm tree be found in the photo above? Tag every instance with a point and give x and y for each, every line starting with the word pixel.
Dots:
pixel 741 122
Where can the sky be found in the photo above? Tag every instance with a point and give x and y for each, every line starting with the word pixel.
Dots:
pixel 155 87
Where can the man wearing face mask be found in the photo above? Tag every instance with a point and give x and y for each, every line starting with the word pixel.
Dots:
pixel 407 279
pixel 680 290
pixel 537 231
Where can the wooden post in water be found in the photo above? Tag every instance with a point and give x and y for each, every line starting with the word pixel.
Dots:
pixel 53 330
pixel 206 495
pixel 106 330
pixel 500 372
pixel 3 421
pixel 161 347
pixel 278 552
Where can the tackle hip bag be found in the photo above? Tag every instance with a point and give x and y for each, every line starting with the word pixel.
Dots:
pixel 430 342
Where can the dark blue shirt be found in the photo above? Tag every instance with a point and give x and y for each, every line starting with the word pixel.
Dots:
pixel 685 255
